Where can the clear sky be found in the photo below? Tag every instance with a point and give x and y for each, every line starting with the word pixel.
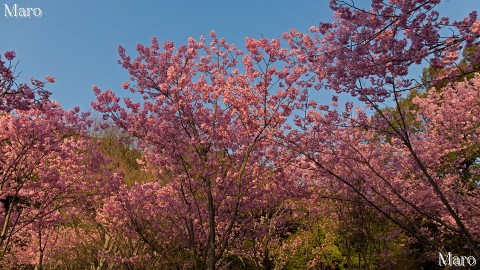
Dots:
pixel 76 41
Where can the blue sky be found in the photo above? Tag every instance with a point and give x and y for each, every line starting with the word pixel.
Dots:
pixel 76 41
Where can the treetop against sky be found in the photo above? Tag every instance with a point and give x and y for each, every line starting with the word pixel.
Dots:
pixel 76 41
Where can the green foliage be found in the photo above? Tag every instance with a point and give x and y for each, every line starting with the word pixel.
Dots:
pixel 367 239
pixel 311 248
pixel 466 69
pixel 120 148
pixel 402 116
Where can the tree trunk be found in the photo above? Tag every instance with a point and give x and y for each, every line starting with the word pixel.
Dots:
pixel 211 236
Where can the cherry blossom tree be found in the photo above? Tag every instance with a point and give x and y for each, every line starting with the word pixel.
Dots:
pixel 49 175
pixel 414 172
pixel 50 172
pixel 226 177
pixel 207 129
pixel 15 95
